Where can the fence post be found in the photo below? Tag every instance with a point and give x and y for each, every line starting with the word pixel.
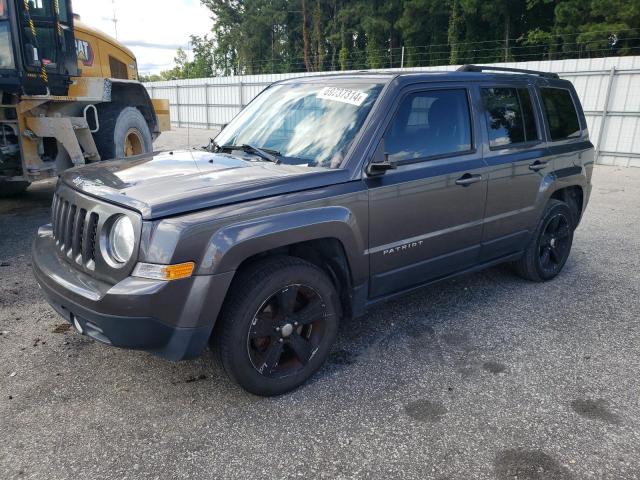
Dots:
pixel 605 109
pixel 178 105
pixel 206 103
pixel 241 94
pixel 402 58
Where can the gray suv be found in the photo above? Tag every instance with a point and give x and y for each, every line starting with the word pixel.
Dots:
pixel 323 197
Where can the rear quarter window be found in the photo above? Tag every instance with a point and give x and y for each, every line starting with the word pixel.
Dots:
pixel 509 115
pixel 560 112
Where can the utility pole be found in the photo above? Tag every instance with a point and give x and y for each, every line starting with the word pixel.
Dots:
pixel 114 20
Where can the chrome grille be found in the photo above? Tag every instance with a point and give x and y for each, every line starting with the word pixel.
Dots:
pixel 74 230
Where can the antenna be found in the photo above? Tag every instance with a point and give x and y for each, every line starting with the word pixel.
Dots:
pixel 189 106
pixel 114 20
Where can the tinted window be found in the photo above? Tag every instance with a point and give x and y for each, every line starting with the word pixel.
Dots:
pixel 6 54
pixel 530 128
pixel 41 49
pixel 118 69
pixel 430 123
pixel 40 8
pixel 560 112
pixel 509 115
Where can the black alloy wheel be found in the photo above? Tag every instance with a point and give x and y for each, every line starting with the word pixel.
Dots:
pixel 555 244
pixel 286 331
pixel 550 244
pixel 277 325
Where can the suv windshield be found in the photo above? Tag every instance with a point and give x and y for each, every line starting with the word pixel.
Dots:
pixel 307 124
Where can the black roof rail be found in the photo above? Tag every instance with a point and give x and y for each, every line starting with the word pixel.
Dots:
pixel 483 68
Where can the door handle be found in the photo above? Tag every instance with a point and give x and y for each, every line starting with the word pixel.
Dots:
pixel 467 179
pixel 537 165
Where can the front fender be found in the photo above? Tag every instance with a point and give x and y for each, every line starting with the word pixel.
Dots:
pixel 133 93
pixel 232 244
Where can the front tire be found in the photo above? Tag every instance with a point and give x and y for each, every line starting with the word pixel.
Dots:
pixel 277 326
pixel 123 132
pixel 550 245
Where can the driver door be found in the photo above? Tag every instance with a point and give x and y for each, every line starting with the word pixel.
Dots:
pixel 426 215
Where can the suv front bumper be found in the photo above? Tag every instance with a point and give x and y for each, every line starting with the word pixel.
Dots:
pixel 172 319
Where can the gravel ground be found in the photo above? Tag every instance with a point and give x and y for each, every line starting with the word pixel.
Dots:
pixel 183 137
pixel 486 376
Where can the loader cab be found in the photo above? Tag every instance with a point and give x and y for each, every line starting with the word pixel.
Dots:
pixel 9 80
pixel 37 46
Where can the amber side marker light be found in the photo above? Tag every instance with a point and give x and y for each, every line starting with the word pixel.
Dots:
pixel 164 272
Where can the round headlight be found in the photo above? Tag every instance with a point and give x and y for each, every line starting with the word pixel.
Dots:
pixel 121 239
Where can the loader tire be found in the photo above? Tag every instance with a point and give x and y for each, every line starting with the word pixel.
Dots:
pixel 11 189
pixel 123 132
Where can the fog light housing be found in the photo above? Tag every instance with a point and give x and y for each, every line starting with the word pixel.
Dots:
pixel 164 272
pixel 77 325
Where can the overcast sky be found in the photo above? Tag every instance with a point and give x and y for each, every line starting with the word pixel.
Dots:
pixel 153 29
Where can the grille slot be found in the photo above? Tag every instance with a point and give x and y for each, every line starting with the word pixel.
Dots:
pixel 74 230
pixel 92 228
pixel 54 209
pixel 68 236
pixel 78 227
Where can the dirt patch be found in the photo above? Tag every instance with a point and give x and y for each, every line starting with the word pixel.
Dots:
pixel 529 465
pixel 62 328
pixel 595 410
pixel 494 367
pixel 342 357
pixel 425 410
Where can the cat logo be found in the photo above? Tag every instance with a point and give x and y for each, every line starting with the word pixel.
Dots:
pixel 84 52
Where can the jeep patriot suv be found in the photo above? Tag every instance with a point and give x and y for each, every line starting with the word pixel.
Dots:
pixel 323 197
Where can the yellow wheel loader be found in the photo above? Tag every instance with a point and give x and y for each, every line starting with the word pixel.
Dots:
pixel 69 95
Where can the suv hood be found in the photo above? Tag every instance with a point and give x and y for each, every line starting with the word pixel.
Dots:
pixel 170 183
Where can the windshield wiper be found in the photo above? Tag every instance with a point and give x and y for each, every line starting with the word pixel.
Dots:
pixel 264 153
pixel 212 146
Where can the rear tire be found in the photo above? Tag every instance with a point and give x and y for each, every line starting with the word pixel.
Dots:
pixel 11 189
pixel 277 325
pixel 550 245
pixel 123 132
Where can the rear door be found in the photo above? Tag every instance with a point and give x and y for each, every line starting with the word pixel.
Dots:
pixel 518 161
pixel 426 216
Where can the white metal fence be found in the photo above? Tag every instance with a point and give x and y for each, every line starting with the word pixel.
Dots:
pixel 609 89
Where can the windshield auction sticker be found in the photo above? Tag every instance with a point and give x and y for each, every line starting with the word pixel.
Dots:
pixel 344 95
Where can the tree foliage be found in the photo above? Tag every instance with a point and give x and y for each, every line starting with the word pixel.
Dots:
pixel 275 36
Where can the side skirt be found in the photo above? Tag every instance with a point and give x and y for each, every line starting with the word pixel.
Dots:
pixel 361 303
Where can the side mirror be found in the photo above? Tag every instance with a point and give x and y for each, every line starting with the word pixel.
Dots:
pixel 379 168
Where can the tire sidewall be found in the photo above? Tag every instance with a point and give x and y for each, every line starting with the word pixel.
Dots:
pixel 129 118
pixel 237 361
pixel 554 209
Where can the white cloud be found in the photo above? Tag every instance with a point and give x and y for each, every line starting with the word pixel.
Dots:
pixel 152 29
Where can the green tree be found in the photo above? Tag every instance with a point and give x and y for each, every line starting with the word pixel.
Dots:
pixel 273 36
